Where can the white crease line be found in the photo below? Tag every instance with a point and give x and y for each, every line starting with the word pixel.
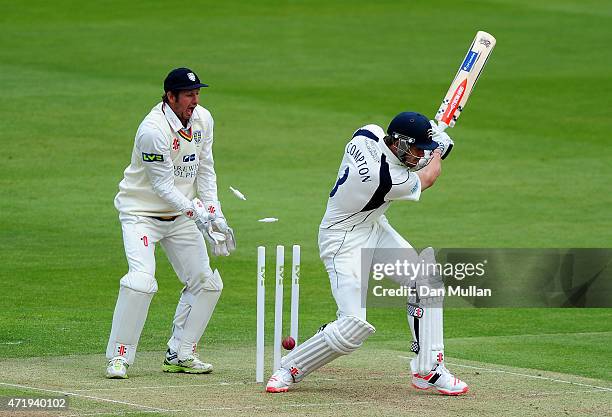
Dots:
pixel 582 391
pixel 533 376
pixel 501 371
pixel 82 396
pixel 254 407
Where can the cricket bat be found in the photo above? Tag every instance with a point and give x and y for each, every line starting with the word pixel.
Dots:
pixel 465 80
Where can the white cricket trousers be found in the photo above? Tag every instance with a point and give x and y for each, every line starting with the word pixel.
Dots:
pixel 182 241
pixel 184 245
pixel 340 251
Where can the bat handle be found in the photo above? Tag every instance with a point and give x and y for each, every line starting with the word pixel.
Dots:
pixel 442 126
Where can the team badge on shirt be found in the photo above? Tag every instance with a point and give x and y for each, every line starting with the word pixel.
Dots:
pixel 197 136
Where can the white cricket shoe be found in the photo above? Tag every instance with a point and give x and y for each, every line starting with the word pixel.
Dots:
pixel 439 378
pixel 117 368
pixel 280 381
pixel 191 365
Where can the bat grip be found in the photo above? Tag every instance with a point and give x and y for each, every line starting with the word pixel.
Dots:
pixel 442 126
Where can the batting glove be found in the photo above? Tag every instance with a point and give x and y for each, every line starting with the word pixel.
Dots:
pixel 444 141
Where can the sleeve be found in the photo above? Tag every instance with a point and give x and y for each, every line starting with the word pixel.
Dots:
pixel 160 169
pixel 207 178
pixel 406 186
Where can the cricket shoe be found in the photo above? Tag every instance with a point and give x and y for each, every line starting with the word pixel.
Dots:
pixel 280 381
pixel 117 368
pixel 191 365
pixel 439 378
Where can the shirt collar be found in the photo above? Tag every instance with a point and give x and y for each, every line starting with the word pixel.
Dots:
pixel 174 121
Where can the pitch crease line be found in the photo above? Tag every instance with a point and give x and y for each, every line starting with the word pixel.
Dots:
pixel 501 371
pixel 532 376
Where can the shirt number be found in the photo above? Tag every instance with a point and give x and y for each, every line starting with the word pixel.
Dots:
pixel 340 181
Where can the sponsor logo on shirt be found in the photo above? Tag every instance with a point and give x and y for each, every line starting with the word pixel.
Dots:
pixel 186 171
pixel 152 157
pixel 373 149
pixel 189 170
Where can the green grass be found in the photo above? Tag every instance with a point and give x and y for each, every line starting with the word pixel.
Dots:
pixel 290 82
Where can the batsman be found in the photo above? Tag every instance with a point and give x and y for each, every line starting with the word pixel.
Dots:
pixel 377 168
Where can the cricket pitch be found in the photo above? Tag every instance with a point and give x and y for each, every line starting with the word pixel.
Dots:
pixel 370 382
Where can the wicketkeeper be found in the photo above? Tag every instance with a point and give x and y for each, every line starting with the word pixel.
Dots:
pixel 172 162
pixel 377 168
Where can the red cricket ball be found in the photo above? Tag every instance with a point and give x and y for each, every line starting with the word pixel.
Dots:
pixel 288 343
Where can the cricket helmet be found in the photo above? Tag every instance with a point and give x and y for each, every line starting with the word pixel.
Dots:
pixel 407 129
pixel 414 129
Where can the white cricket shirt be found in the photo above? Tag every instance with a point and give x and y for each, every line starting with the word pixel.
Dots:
pixel 369 178
pixel 169 164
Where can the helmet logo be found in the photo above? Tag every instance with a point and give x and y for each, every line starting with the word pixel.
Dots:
pixel 191 76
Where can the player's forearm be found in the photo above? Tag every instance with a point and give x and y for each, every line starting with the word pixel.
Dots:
pixel 162 182
pixel 207 183
pixel 173 197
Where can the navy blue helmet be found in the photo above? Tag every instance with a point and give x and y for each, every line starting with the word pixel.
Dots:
pixel 414 129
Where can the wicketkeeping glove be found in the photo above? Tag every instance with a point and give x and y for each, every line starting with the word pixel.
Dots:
pixel 445 142
pixel 219 224
pixel 225 247
pixel 203 221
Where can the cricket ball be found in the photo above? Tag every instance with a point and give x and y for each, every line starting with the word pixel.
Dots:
pixel 288 343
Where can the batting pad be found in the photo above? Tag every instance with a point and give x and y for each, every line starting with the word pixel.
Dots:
pixel 336 339
pixel 130 314
pixel 426 317
pixel 430 331
pixel 193 313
